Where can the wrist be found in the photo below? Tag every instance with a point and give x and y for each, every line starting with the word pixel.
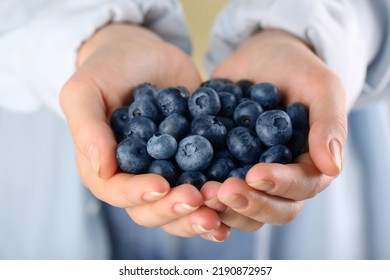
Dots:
pixel 114 33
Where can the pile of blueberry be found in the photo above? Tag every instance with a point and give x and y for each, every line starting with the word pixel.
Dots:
pixel 219 131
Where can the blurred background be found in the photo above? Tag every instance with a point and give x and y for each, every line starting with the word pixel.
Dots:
pixel 200 16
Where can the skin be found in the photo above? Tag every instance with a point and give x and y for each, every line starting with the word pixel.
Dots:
pixel 120 56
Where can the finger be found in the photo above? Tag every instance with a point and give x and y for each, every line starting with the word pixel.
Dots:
pixel 86 114
pixel 228 216
pixel 123 190
pixel 238 221
pixel 209 192
pixel 297 181
pixel 257 205
pixel 218 235
pixel 201 221
pixel 179 202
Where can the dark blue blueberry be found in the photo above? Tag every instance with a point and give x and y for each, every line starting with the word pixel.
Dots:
pixel 170 101
pixel 132 156
pixel 216 83
pixel 233 89
pixel 227 122
pixel 195 178
pixel 298 142
pixel 204 101
pixel 194 153
pixel 144 108
pixel 244 144
pixel 224 153
pixel 228 104
pixel 299 115
pixel 164 168
pixel 276 154
pixel 176 125
pixel 119 121
pixel 162 146
pixel 184 92
pixel 245 85
pixel 266 94
pixel 145 91
pixel 240 172
pixel 209 127
pixel 274 127
pixel 246 113
pixel 219 169
pixel 141 127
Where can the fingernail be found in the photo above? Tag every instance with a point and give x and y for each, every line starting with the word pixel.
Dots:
pixel 262 185
pixel 336 150
pixel 236 201
pixel 153 196
pixel 94 158
pixel 199 229
pixel 183 208
pixel 211 238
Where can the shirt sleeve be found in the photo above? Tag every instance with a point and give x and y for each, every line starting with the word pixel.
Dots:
pixel 42 48
pixel 345 34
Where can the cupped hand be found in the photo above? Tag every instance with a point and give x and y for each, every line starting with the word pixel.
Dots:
pixel 274 193
pixel 111 63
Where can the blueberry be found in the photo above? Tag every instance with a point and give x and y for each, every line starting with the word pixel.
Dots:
pixel 144 108
pixel 274 127
pixel 119 120
pixel 175 125
pixel 276 154
pixel 219 169
pixel 240 172
pixel 194 153
pixel 227 122
pixel 162 146
pixel 204 101
pixel 184 92
pixel 224 153
pixel 299 115
pixel 170 100
pixel 145 91
pixel 209 127
pixel 141 127
pixel 266 94
pixel 246 113
pixel 298 142
pixel 132 156
pixel 216 83
pixel 195 178
pixel 164 168
pixel 244 144
pixel 228 103
pixel 233 89
pixel 245 85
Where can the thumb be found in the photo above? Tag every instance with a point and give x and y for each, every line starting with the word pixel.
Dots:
pixel 85 111
pixel 328 130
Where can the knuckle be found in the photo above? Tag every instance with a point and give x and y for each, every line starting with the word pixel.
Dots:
pixel 318 184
